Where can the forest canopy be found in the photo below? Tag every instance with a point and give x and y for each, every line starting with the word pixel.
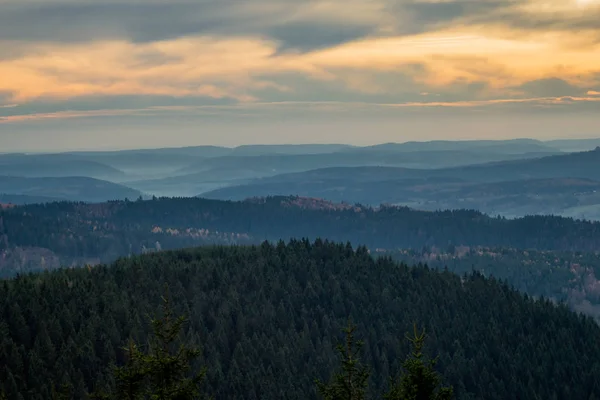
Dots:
pixel 267 319
pixel 45 236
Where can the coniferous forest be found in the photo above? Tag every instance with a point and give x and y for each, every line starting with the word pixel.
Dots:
pixel 44 236
pixel 299 200
pixel 542 256
pixel 267 319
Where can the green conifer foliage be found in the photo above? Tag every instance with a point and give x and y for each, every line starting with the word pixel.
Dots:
pixel 351 382
pixel 163 373
pixel 419 380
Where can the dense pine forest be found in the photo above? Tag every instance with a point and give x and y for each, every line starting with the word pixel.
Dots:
pixel 542 256
pixel 46 236
pixel 267 319
pixel 571 277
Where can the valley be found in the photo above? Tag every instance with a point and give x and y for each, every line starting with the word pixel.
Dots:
pixel 511 178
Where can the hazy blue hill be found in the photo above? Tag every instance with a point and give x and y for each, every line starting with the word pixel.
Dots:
pixel 153 163
pixel 143 160
pixel 584 165
pixel 258 149
pixel 350 190
pixel 199 151
pixel 517 147
pixel 230 168
pixel 191 184
pixel 566 185
pixel 54 165
pixel 513 146
pixel 550 186
pixel 187 155
pixel 574 144
pixel 574 165
pixel 66 188
pixel 387 189
pixel 367 173
pixel 354 184
pixel 208 174
pixel 568 197
pixel 20 199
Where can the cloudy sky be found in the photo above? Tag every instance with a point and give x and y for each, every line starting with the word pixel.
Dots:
pixel 143 73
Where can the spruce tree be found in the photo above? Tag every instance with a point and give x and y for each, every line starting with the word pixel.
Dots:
pixel 163 373
pixel 168 365
pixel 62 392
pixel 130 378
pixel 419 380
pixel 351 382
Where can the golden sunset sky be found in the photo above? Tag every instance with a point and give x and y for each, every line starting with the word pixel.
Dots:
pixel 120 73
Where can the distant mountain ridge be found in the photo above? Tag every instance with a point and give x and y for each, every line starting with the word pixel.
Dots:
pixel 562 184
pixel 188 171
pixel 510 146
pixel 210 173
pixel 54 165
pixel 519 145
pixel 20 199
pixel 63 189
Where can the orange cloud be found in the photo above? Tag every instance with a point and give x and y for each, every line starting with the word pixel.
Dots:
pixel 466 54
pixel 182 67
pixel 500 57
pixel 69 115
pixel 249 109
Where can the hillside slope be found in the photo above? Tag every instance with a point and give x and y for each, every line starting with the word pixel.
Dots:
pixel 20 199
pixel 268 317
pixel 564 185
pixel 110 230
pixel 232 167
pixel 574 197
pixel 66 188
pixel 510 146
pixel 54 165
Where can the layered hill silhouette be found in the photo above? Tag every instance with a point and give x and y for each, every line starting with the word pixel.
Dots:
pixel 55 165
pixel 427 175
pixel 34 190
pixel 77 233
pixel 562 184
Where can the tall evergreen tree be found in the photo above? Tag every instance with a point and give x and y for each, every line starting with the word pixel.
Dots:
pixel 168 365
pixel 419 380
pixel 62 392
pixel 163 373
pixel 131 377
pixel 351 382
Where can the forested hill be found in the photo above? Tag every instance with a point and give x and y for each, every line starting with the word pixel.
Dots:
pixel 45 236
pixel 268 317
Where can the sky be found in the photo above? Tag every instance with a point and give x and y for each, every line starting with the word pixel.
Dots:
pixel 86 74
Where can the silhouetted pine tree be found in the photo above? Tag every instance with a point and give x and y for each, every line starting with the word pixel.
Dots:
pixel 419 380
pixel 351 382
pixel 164 372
